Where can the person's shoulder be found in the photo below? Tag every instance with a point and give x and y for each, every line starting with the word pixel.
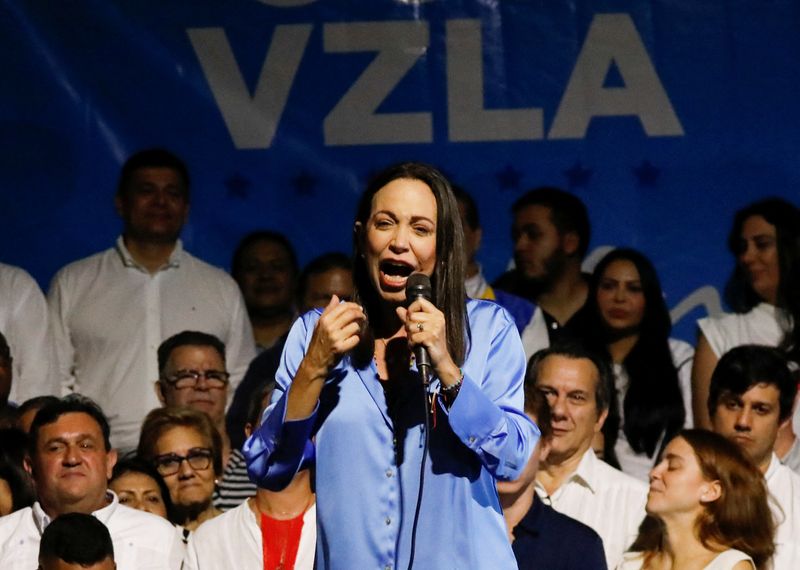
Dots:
pixel 613 478
pixel 212 529
pixel 15 277
pixel 133 524
pixel 569 528
pixel 84 265
pixel 12 521
pixel 786 479
pixel 631 561
pixel 484 311
pixel 681 351
pixel 205 269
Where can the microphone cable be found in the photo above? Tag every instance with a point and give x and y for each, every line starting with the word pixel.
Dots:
pixel 427 404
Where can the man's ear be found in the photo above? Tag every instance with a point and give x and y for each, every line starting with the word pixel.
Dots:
pixel 159 388
pixel 570 242
pixel 601 419
pixel 545 445
pixel 710 492
pixel 27 463
pixel 111 461
pixel 118 205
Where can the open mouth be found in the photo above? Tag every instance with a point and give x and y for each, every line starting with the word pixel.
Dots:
pixel 395 273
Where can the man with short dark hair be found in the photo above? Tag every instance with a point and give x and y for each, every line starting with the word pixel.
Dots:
pixel 71 459
pixel 577 384
pixel 750 396
pixel 192 373
pixel 551 233
pixel 265 268
pixel 76 541
pixel 110 311
pixel 538 531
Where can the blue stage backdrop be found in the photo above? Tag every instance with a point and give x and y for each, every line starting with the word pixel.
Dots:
pixel 663 116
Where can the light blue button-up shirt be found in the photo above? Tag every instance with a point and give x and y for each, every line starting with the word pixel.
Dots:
pixel 368 463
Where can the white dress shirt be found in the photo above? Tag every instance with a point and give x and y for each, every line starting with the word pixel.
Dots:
pixel 23 321
pixel 784 487
pixel 141 541
pixel 233 540
pixel 604 498
pixel 109 315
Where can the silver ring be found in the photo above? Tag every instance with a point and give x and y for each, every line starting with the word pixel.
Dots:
pixel 420 328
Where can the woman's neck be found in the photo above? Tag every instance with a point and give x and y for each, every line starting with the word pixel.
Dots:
pixel 682 548
pixel 192 518
pixel 288 503
pixel 621 347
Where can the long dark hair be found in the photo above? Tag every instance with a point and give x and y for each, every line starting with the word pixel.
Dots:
pixel 740 518
pixel 653 404
pixel 740 295
pixel 447 280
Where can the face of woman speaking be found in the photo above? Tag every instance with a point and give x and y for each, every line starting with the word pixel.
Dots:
pixel 399 238
pixel 758 256
pixel 677 484
pixel 620 298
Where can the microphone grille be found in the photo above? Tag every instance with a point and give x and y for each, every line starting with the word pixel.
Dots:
pixel 418 285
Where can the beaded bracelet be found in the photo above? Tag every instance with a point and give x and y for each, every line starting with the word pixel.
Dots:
pixel 452 390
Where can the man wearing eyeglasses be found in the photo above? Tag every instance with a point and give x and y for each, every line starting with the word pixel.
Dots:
pixel 71 459
pixel 192 373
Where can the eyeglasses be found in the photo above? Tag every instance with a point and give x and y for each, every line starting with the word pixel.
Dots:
pixel 168 464
pixel 183 379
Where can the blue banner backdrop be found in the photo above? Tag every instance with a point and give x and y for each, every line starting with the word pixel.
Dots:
pixel 663 116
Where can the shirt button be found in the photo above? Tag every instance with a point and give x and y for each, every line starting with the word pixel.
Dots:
pixel 388 472
pixel 472 439
pixel 387 567
pixel 388 521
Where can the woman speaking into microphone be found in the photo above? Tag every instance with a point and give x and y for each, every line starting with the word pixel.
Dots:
pixel 405 469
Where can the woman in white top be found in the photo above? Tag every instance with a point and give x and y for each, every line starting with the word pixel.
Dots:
pixel 707 509
pixel 627 319
pixel 764 292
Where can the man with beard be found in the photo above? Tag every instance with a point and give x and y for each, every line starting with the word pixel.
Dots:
pixel 551 234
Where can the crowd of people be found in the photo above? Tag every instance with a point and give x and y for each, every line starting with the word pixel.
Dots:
pixel 346 415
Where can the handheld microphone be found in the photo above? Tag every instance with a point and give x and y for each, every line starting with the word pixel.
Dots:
pixel 418 286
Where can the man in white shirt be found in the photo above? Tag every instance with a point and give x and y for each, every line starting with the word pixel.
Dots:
pixel 23 321
pixel 110 311
pixel 70 459
pixel 573 480
pixel 750 396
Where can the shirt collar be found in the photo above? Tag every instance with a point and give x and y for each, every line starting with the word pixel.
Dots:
pixel 774 465
pixel 585 475
pixel 587 472
pixel 128 260
pixel 41 519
